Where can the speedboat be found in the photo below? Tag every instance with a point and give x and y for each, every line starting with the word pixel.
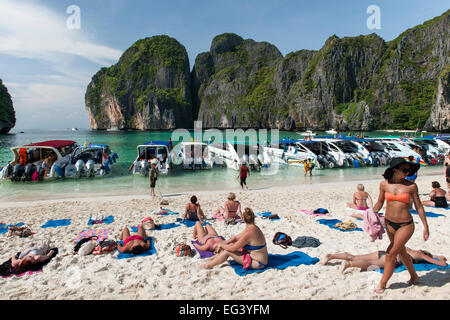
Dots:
pixel 157 152
pixel 290 152
pixel 331 131
pixel 193 155
pixel 354 152
pixel 324 155
pixel 233 155
pixel 93 160
pixel 39 161
pixel 307 134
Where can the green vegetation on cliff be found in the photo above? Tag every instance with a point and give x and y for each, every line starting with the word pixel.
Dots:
pixel 7 113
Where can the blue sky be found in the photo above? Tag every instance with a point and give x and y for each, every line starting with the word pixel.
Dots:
pixel 47 66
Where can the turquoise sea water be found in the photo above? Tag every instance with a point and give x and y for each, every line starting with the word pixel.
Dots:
pixel 121 182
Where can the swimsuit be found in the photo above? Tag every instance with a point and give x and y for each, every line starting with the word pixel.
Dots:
pixel 398 262
pixel 247 259
pixel 211 237
pixel 440 202
pixel 402 197
pixel 361 208
pixel 130 238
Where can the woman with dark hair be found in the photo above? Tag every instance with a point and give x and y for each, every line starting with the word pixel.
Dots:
pixel 193 211
pixel 397 191
pixel 437 197
pixel 247 248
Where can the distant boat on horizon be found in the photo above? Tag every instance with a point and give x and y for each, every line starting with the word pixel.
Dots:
pixel 74 129
pixel 331 131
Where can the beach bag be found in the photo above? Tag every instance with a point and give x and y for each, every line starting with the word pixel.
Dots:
pixel 183 250
pixel 148 224
pixel 22 231
pixel 105 246
pixel 87 248
pixel 349 225
pixel 282 239
pixel 164 202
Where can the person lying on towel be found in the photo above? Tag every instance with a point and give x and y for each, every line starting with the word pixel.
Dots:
pixel 31 256
pixel 135 244
pixel 207 237
pixel 247 248
pixel 377 259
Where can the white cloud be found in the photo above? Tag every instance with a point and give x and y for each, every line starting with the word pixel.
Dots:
pixel 28 30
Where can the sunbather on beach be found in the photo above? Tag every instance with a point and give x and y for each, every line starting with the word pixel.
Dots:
pixel 248 248
pixel 231 208
pixel 133 244
pixel 207 236
pixel 397 191
pixel 378 259
pixel 437 197
pixel 193 211
pixel 30 256
pixel 360 198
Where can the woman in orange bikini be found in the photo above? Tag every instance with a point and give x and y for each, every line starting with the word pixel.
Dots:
pixel 397 191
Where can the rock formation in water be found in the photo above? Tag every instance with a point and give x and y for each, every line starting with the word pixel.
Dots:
pixel 351 83
pixel 148 89
pixel 7 113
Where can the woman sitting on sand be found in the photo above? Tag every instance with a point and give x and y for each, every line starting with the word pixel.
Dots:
pixel 231 208
pixel 377 259
pixel 360 199
pixel 437 197
pixel 193 211
pixel 31 256
pixel 248 248
pixel 208 237
pixel 133 244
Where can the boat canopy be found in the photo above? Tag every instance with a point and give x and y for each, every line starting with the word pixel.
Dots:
pixel 156 143
pixel 52 143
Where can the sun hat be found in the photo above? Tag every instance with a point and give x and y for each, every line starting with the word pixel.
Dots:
pixel 397 161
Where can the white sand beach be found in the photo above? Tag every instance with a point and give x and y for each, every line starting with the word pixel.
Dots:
pixel 165 276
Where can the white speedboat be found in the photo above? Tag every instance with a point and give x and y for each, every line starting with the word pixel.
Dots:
pixel 39 161
pixel 193 155
pixel 233 155
pixel 331 131
pixel 90 160
pixel 307 133
pixel 157 152
pixel 354 153
pixel 290 152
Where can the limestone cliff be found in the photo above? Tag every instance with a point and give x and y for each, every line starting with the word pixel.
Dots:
pixel 7 113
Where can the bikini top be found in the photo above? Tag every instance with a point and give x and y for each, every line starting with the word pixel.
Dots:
pixel 250 248
pixel 402 197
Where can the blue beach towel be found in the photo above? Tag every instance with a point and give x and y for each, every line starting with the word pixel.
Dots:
pixel 56 223
pixel 418 267
pixel 149 252
pixel 189 223
pixel 278 261
pixel 266 215
pixel 331 222
pixel 107 220
pixel 4 227
pixel 428 214
pixel 160 227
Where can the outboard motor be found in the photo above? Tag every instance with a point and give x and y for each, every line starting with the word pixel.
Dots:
pixel 18 172
pixel 331 160
pixel 322 161
pixel 40 171
pixel 90 168
pixel 29 170
pixel 80 167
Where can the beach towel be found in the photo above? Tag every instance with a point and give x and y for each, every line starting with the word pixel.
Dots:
pixel 158 227
pixel 331 222
pixel 108 220
pixel 320 211
pixel 56 223
pixel 278 261
pixel 101 234
pixel 4 228
pixel 418 267
pixel 189 223
pixel 302 242
pixel 7 271
pixel 166 212
pixel 150 251
pixel 203 254
pixel 372 225
pixel 268 215
pixel 428 214
pixel 311 213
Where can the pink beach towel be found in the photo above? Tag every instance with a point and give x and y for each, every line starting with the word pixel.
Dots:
pixel 372 225
pixel 102 234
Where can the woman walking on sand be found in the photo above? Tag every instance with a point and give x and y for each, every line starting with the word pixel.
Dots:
pixel 397 191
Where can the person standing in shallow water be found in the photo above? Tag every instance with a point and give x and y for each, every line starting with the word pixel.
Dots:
pixel 397 191
pixel 153 177
pixel 243 173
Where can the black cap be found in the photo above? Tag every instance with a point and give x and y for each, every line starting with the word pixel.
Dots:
pixel 413 166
